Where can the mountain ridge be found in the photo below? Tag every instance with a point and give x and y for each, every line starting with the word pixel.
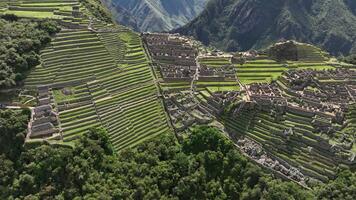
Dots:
pixel 154 16
pixel 237 25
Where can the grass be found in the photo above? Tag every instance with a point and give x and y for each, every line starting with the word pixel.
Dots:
pixel 125 97
pixel 59 96
pixel 215 61
pixel 263 129
pixel 33 14
pixel 223 88
pixel 264 70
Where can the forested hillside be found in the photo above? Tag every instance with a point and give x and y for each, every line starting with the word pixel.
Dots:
pixel 20 44
pixel 204 166
pixel 252 24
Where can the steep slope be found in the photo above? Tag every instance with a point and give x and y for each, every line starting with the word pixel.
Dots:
pixel 155 15
pixel 245 24
pixel 93 74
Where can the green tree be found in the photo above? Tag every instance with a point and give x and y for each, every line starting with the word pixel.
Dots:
pixel 343 187
pixel 20 42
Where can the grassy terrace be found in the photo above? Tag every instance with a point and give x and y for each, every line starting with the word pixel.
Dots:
pixel 264 70
pixel 107 73
pixel 133 113
pixel 263 128
pixel 74 55
pixel 218 86
pixel 80 113
pixel 124 100
pixel 309 53
pixel 54 9
pixel 133 116
pixel 215 61
pixel 182 85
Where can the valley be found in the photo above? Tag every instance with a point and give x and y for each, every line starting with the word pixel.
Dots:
pixel 154 15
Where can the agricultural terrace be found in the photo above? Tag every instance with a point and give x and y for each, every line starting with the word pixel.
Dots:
pixel 65 10
pixel 215 61
pixel 262 69
pixel 115 85
pixel 309 125
pixel 265 70
pixel 215 66
pixel 98 73
pixel 301 149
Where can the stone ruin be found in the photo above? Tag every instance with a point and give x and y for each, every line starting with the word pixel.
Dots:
pixel 174 73
pixel 267 96
pixel 322 96
pixel 255 151
pixel 241 57
pixel 44 119
pixel 184 111
pixel 216 74
pixel 218 101
pixel 306 94
pixel 323 90
pixel 175 56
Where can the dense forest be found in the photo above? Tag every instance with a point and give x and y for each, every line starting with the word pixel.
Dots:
pixel 20 43
pixel 205 165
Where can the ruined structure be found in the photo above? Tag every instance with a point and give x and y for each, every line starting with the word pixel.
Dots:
pixel 184 111
pixel 174 55
pixel 224 73
pixel 44 119
pixel 304 109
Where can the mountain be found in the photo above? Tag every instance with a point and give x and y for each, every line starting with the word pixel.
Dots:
pixel 155 15
pixel 252 24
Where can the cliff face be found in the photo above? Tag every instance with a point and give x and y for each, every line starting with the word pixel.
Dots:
pixel 251 24
pixel 155 15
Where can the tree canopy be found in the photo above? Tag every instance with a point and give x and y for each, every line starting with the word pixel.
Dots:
pixel 206 165
pixel 20 43
pixel 349 59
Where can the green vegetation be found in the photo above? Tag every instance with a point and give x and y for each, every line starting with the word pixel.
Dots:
pixel 60 96
pixel 268 130
pixel 349 59
pixel 205 166
pixel 116 140
pixel 350 128
pixel 96 8
pixel 53 9
pixel 215 61
pixel 230 25
pixel 343 187
pixel 21 41
pixel 108 75
pixel 263 70
pixel 292 50
pixel 13 127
